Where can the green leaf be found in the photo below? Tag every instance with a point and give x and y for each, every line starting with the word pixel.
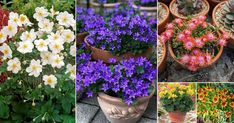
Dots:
pixel 4 110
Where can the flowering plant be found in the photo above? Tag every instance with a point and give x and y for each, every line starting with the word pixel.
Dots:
pixel 176 96
pixel 128 79
pixel 38 59
pixel 147 3
pixel 122 34
pixel 194 42
pixel 215 103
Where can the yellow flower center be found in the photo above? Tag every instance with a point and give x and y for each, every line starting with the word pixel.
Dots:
pixel 5 52
pixel 22 18
pixel 49 81
pixel 14 66
pixel 25 46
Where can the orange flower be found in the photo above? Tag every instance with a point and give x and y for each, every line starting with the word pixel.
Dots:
pixel 201 96
pixel 204 100
pixel 215 111
pixel 223 104
pixel 205 93
pixel 215 99
pixel 228 114
pixel 232 104
pixel 223 98
pixel 213 104
pixel 225 91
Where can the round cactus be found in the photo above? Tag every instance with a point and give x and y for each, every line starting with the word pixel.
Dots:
pixel 227 12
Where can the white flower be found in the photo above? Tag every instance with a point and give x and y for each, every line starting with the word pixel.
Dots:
pixel 14 65
pixel 29 36
pixel 73 24
pixel 45 25
pixel 14 17
pixel 6 50
pixel 72 70
pixel 10 30
pixel 23 20
pixel 40 13
pixel 57 61
pixel 64 18
pixel 56 47
pixel 25 47
pixel 35 68
pixel 68 35
pixel 55 37
pixel 73 50
pixel 46 57
pixel 41 45
pixel 3 37
pixel 50 80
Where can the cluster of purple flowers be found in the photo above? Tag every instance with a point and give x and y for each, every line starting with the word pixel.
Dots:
pixel 88 20
pixel 131 78
pixel 123 34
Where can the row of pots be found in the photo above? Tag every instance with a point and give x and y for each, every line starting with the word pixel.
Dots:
pixel 162 24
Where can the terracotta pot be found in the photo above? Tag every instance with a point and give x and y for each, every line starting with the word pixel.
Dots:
pixel 81 37
pixel 116 111
pixel 176 15
pixel 215 21
pixel 106 6
pixel 177 116
pixel 151 11
pixel 99 54
pixel 184 66
pixel 162 24
pixel 162 64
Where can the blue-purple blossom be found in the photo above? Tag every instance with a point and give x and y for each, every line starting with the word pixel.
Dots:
pixel 130 78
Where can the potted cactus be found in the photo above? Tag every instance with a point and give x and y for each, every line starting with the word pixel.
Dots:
pixel 194 44
pixel 184 8
pixel 223 16
pixel 163 16
pixel 146 6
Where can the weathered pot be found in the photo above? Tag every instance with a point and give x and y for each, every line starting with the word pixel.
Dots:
pixel 162 24
pixel 81 37
pixel 177 116
pixel 202 67
pixel 107 6
pixel 162 64
pixel 177 15
pixel 105 56
pixel 151 11
pixel 116 111
pixel 215 21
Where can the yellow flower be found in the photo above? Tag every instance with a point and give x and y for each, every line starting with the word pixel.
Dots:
pixel 190 92
pixel 183 87
pixel 173 90
pixel 170 85
pixel 177 84
pixel 181 92
pixel 161 94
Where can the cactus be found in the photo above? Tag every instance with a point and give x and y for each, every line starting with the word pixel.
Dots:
pixel 227 15
pixel 189 7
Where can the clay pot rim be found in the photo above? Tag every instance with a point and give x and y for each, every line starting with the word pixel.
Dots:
pixel 167 14
pixel 119 101
pixel 183 17
pixel 216 22
pixel 177 111
pixel 164 53
pixel 143 8
pixel 107 5
pixel 212 60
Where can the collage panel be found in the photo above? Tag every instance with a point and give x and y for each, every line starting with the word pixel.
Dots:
pixel 176 102
pixel 116 61
pixel 215 102
pixel 196 41
pixel 37 61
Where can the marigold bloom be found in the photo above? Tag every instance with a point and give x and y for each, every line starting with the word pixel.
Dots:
pixel 228 114
pixel 232 104
pixel 223 104
pixel 215 99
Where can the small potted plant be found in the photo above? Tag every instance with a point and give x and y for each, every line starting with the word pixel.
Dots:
pixel 40 71
pixel 194 43
pixel 120 38
pixel 215 102
pixel 162 55
pixel 123 88
pixel 148 6
pixel 223 15
pixel 176 100
pixel 163 16
pixel 184 8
